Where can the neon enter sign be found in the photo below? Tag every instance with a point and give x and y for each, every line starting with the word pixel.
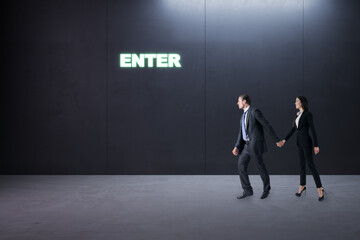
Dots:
pixel 159 60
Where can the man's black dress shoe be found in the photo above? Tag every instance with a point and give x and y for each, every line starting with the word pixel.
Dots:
pixel 265 195
pixel 244 195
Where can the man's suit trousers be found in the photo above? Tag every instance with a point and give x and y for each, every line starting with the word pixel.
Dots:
pixel 244 159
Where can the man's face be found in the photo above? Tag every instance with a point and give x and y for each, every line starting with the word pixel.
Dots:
pixel 241 103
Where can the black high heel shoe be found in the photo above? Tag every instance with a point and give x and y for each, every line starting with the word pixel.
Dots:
pixel 299 194
pixel 323 191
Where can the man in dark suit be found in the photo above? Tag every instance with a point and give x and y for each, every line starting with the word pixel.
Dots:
pixel 251 145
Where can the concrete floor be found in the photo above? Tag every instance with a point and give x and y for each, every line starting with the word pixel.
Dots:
pixel 175 207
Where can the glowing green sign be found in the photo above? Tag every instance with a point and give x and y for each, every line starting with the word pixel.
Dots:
pixel 159 60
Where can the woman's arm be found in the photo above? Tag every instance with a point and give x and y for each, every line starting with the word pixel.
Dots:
pixel 291 132
pixel 312 129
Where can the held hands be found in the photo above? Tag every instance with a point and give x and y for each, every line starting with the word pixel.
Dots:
pixel 235 151
pixel 280 143
pixel 316 150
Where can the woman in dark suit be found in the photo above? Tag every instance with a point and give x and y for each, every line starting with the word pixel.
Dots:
pixel 303 121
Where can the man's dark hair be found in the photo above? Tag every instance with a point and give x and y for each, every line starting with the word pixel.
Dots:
pixel 246 98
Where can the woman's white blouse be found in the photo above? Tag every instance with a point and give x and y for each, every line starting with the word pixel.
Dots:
pixel 298 118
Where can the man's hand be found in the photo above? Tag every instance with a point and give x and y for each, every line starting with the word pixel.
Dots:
pixel 316 150
pixel 235 151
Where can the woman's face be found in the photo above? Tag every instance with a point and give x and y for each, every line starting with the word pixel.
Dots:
pixel 297 103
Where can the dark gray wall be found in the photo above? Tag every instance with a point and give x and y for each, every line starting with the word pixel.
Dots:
pixel 55 87
pixel 156 116
pixel 70 109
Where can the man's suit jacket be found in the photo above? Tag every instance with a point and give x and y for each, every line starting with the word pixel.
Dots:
pixel 303 138
pixel 255 124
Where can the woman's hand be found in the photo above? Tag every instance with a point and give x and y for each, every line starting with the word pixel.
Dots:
pixel 280 143
pixel 316 150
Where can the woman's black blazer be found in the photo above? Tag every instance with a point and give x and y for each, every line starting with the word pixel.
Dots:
pixel 302 132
